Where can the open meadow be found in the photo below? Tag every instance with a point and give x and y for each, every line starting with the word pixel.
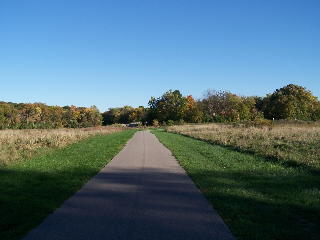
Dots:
pixel 21 144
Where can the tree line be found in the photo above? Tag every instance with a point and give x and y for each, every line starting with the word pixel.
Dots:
pixel 39 115
pixel 289 102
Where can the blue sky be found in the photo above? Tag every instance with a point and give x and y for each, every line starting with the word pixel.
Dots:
pixel 114 53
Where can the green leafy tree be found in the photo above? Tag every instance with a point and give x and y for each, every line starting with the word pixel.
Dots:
pixel 111 116
pixel 291 102
pixel 316 113
pixel 170 106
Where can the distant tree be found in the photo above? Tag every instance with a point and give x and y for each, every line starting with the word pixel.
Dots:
pixel 170 106
pixel 89 117
pixel 248 109
pixel 54 116
pixel 71 117
pixel 111 116
pixel 291 102
pixel 193 112
pixel 8 116
pixel 214 104
pixel 39 115
pixel 95 116
pixel 223 106
pixel 316 113
pixel 124 114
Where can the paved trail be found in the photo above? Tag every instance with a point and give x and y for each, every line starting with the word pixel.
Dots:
pixel 141 194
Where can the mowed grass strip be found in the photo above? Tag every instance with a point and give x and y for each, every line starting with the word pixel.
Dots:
pixel 257 198
pixel 32 189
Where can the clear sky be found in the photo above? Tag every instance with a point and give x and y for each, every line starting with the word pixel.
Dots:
pixel 114 53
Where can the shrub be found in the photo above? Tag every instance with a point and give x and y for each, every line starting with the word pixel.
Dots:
pixel 259 122
pixel 180 122
pixel 155 123
pixel 170 123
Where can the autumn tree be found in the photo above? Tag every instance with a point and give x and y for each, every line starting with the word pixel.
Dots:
pixel 223 106
pixel 193 113
pixel 8 116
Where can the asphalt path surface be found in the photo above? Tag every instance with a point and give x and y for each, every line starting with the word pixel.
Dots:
pixel 143 193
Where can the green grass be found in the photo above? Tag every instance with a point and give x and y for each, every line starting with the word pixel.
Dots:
pixel 257 198
pixel 32 189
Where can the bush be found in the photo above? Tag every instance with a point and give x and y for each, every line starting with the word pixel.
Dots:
pixel 170 123
pixel 259 122
pixel 180 122
pixel 155 123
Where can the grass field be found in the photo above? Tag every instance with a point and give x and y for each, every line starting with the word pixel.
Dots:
pixel 32 189
pixel 21 144
pixel 258 199
pixel 295 144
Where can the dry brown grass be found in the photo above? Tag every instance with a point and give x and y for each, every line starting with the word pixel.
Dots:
pixel 20 144
pixel 290 142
